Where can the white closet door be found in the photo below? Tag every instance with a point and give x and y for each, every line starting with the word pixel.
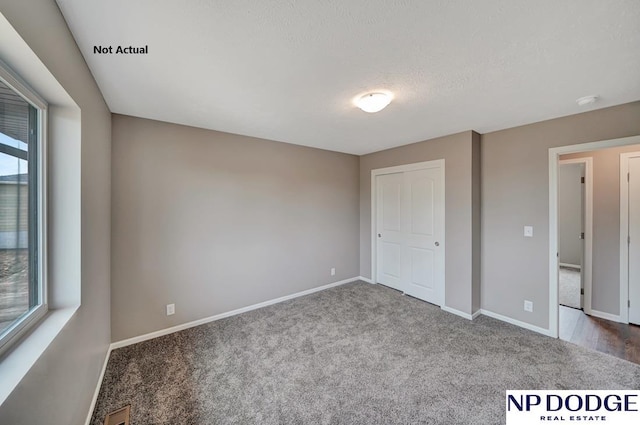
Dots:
pixel 389 198
pixel 424 225
pixel 410 232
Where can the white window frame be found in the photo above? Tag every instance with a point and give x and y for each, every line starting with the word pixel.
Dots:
pixel 25 323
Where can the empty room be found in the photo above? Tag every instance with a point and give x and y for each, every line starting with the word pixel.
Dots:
pixel 278 212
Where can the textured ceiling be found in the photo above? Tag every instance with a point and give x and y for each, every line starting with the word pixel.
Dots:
pixel 288 70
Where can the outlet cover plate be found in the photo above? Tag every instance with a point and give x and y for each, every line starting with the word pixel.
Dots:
pixel 528 231
pixel 528 306
pixel 171 309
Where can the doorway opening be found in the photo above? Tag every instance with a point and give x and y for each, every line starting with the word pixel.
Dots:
pixel 575 241
pixel 591 244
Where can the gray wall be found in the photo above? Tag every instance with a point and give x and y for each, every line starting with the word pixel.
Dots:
pixel 515 192
pixel 605 293
pixel 59 387
pixel 213 222
pixel 461 197
pixel 570 213
pixel 476 231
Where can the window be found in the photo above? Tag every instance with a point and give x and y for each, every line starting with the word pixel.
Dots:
pixel 22 224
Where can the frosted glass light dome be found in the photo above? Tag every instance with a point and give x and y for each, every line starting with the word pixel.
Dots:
pixel 373 102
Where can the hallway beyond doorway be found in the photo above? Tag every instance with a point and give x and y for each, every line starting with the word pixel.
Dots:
pixel 570 286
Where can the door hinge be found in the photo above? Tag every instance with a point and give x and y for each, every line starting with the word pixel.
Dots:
pixel 581 291
pixel 628 240
pixel 628 178
pixel 628 303
pixel 582 235
pixel 582 180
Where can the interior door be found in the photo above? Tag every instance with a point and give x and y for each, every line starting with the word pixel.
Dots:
pixel 634 240
pixel 424 225
pixel 389 198
pixel 410 232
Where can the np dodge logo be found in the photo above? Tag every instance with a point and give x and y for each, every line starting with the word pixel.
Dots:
pixel 536 407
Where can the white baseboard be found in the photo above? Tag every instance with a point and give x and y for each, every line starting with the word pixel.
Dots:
pixel 571 266
pixel 457 312
pixel 607 316
pixel 145 337
pixel 460 313
pixel 525 325
pixel 97 391
pixel 167 331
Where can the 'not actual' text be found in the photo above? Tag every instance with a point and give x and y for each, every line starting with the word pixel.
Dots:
pixel 120 50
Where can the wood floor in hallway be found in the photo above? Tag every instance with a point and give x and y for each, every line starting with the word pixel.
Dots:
pixel 618 339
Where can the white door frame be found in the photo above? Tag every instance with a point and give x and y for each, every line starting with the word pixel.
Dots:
pixel 588 226
pixel 554 157
pixel 438 163
pixel 624 233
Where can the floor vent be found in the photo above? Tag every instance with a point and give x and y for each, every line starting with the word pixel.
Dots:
pixel 118 417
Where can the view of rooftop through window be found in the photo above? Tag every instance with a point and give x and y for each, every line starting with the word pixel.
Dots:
pixel 14 208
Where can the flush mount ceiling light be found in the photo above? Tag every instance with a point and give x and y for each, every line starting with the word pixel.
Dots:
pixel 373 102
pixel 586 100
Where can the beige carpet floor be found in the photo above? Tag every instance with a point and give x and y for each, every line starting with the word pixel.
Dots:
pixel 354 354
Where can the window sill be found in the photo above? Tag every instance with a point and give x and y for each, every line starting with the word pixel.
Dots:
pixel 16 363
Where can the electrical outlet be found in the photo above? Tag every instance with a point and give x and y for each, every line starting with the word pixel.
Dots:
pixel 528 231
pixel 333 271
pixel 528 306
pixel 171 309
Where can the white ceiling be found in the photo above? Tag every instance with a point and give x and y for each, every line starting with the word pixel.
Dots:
pixel 288 70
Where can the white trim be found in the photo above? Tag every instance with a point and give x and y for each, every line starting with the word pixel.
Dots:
pixel 525 325
pixel 21 325
pixel 476 314
pixel 570 266
pixel 607 316
pixel 18 85
pixel 624 234
pixel 167 331
pixel 415 166
pixel 554 157
pixel 24 323
pixel 43 208
pixel 460 313
pixel 97 390
pixel 553 243
pixel 588 228
pixel 365 279
pixel 437 163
